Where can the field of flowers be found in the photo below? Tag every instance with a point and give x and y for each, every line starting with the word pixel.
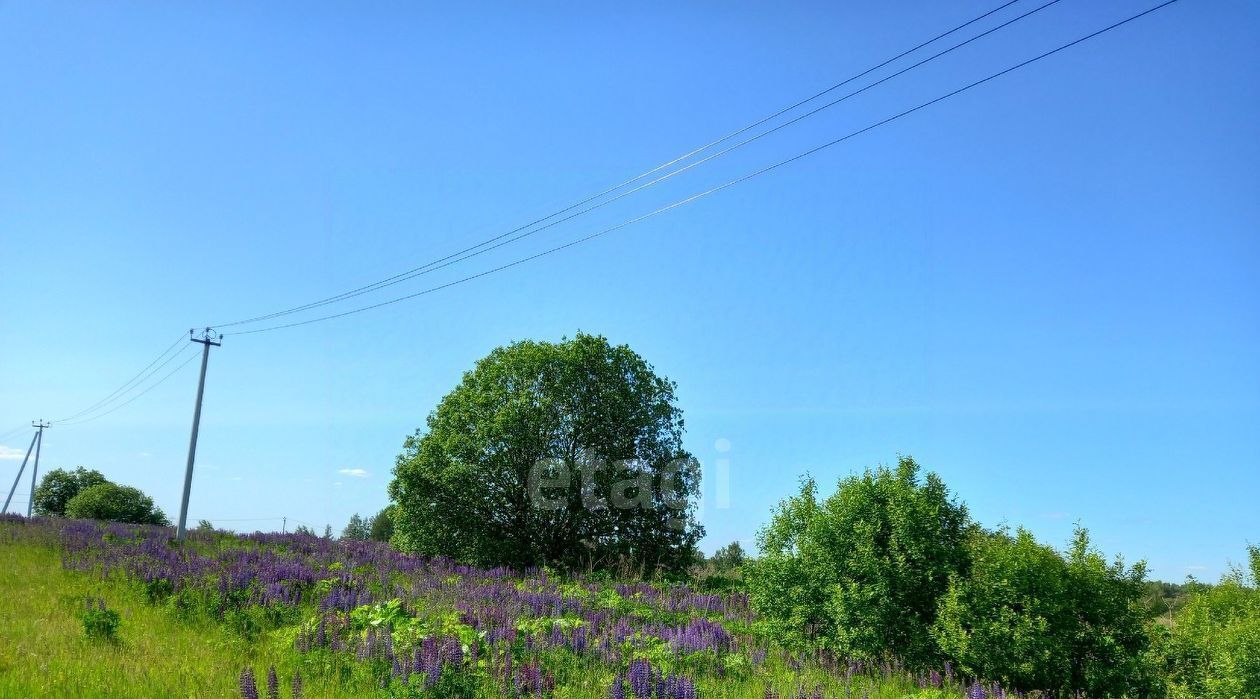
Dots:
pixel 269 615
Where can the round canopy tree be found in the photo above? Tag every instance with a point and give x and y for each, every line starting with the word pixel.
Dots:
pixel 58 486
pixel 567 454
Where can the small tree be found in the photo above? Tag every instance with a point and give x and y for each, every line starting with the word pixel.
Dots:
pixel 728 557
pixel 59 486
pixel 356 530
pixel 116 503
pixel 382 528
pixel 205 525
pixel 304 530
pixel 865 568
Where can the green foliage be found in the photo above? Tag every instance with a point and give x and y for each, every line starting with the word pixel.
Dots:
pixel 357 529
pixel 862 571
pixel 567 454
pixel 100 623
pixel 304 530
pixel 205 525
pixel 1213 648
pixel 1034 619
pixel 1163 599
pixel 728 558
pixel 385 614
pixel 59 486
pixel 382 524
pixel 116 503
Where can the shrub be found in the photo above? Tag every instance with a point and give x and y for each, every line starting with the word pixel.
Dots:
pixel 99 622
pixel 1033 619
pixel 863 570
pixel 1213 648
pixel 115 503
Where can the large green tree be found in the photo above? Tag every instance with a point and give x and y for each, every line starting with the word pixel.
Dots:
pixel 862 571
pixel 566 454
pixel 58 486
pixel 115 503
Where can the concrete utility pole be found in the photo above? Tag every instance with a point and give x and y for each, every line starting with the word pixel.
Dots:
pixel 18 478
pixel 208 339
pixel 39 442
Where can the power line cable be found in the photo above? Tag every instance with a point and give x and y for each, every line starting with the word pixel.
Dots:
pixel 457 258
pixel 126 387
pixel 191 356
pixel 720 187
pixel 413 272
pixel 13 432
pixel 452 260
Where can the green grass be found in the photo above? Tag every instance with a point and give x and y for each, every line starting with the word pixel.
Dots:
pixel 45 652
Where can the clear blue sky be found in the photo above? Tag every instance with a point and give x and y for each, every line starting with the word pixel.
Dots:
pixel 1045 289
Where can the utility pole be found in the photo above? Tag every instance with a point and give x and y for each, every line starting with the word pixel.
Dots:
pixel 208 339
pixel 17 479
pixel 284 525
pixel 39 442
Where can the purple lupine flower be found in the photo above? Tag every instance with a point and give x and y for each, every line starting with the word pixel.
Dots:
pixel 296 690
pixel 273 683
pixel 249 690
pixel 640 677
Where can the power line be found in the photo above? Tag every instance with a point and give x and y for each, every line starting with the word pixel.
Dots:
pixel 13 432
pixel 389 281
pixel 473 252
pixel 720 187
pixel 160 381
pixel 128 386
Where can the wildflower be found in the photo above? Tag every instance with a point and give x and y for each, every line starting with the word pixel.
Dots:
pixel 249 690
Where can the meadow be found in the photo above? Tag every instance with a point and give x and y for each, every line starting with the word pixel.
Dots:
pixel 95 609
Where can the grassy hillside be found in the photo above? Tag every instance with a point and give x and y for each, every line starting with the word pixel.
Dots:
pixel 358 619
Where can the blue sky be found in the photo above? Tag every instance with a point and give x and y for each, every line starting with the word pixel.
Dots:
pixel 1044 289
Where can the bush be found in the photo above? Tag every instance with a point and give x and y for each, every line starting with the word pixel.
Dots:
pixel 116 503
pixel 1033 619
pixel 59 486
pixel 99 622
pixel 863 570
pixel 1213 648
